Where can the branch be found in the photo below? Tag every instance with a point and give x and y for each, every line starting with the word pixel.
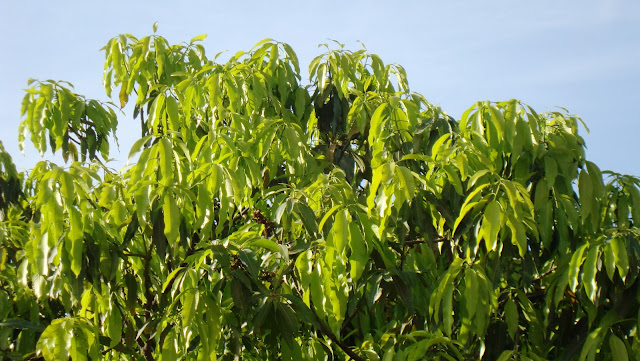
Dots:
pixel 146 349
pixel 324 329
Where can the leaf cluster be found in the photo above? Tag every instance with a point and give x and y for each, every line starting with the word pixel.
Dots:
pixel 266 217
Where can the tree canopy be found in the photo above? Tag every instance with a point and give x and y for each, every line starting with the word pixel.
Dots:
pixel 264 215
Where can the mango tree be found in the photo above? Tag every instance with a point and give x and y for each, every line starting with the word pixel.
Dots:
pixel 264 215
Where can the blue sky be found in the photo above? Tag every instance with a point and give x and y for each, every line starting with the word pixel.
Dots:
pixel 581 55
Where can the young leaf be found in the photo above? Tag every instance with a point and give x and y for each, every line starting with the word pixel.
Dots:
pixel 491 224
pixel 198 38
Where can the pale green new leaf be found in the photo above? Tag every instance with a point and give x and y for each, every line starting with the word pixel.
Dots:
pixel 491 224
pixel 198 38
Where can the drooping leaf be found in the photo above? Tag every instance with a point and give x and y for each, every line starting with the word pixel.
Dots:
pixel 511 317
pixel 491 224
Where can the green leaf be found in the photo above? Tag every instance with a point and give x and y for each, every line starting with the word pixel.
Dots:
pixel 113 327
pixel 541 195
pixel 277 217
pixel 171 219
pixel 454 179
pixel 498 120
pixel 359 252
pixel 166 160
pixel 142 201
pixel 198 38
pixel 471 292
pixel 591 345
pixel 189 299
pixel 54 339
pixel 589 273
pixel 377 120
pixel 308 217
pixel 381 175
pixel 505 355
pixel 123 96
pixel 301 99
pixel 435 149
pixel 621 257
pixel 406 184
pixel 609 261
pixel 340 230
pixel 618 349
pixel 172 112
pixel 635 204
pixel 327 215
pixel 596 179
pixel 76 233
pixel 170 278
pixel 511 317
pixel 550 170
pixel 135 148
pixel 20 324
pixel 447 307
pixel 170 347
pixel 475 177
pixel 491 224
pixel 266 244
pixel 292 141
pixel 586 193
pixel 468 205
pixel 518 234
pixel 622 211
pixel 574 267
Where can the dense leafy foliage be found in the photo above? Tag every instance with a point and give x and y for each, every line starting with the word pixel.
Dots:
pixel 260 218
